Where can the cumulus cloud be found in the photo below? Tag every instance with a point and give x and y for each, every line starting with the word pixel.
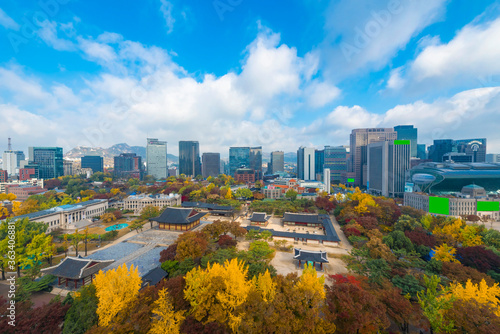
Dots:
pixel 7 22
pixel 363 34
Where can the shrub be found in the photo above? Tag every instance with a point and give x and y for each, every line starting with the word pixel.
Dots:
pixel 225 241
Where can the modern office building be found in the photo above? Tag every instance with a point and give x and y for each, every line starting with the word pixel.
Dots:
pixel 94 162
pixel 306 164
pixel 246 175
pixel 474 147
pixel 493 158
pixel 223 167
pixel 440 148
pixel 156 158
pixel 335 159
pixel 28 171
pixel 359 139
pixel 388 162
pixel 319 161
pixel 457 157
pixel 445 178
pixel 210 164
pixel 189 158
pixel 421 152
pixel 408 132
pixel 327 179
pixel 239 157
pixel 256 161
pixel 128 165
pixel 277 162
pixel 49 161
pixel 68 167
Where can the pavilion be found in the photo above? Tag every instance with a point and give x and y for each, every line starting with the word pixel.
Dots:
pixel 76 270
pixel 178 219
pixel 311 257
pixel 259 218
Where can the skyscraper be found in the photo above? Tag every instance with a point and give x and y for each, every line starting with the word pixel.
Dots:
pixel 440 147
pixel 319 161
pixel 128 165
pixel 256 161
pixel 421 152
pixel 359 139
pixel 306 164
pixel 189 158
pixel 327 179
pixel 11 160
pixel 388 162
pixel 335 161
pixel 408 132
pixel 156 158
pixel 94 162
pixel 210 164
pixel 277 162
pixel 49 161
pixel 473 147
pixel 238 157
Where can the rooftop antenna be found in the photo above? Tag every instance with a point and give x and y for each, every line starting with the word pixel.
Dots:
pixel 10 145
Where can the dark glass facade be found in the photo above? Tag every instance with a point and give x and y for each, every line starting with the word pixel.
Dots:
pixel 408 132
pixel 335 158
pixel 189 158
pixel 238 157
pixel 96 163
pixel 128 165
pixel 210 164
pixel 49 161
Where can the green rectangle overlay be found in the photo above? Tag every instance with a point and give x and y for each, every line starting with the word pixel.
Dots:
pixel 439 205
pixel 350 180
pixel 488 206
pixel 402 142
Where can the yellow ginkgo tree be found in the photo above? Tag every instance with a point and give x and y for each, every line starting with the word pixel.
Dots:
pixel 481 293
pixel 445 253
pixel 165 319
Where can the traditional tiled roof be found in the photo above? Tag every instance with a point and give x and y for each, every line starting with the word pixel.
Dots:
pixel 331 234
pixel 208 206
pixel 178 216
pixel 301 218
pixel 154 276
pixel 259 217
pixel 313 256
pixel 76 267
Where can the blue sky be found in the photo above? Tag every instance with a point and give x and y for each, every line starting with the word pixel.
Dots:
pixel 280 74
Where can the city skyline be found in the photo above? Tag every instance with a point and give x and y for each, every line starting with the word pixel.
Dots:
pixel 99 80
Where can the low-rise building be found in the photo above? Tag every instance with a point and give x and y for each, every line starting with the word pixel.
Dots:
pixel 31 182
pixel 138 202
pixel 66 216
pixel 472 200
pixel 22 192
pixel 259 219
pixel 272 192
pixel 3 175
pixel 178 219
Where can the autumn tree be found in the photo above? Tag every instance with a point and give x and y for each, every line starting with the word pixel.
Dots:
pixel 456 272
pixel 192 244
pixel 480 318
pixel 169 253
pixel 149 211
pixel 433 305
pixel 214 293
pixel 479 258
pixel 115 289
pixel 481 293
pixel 445 253
pixel 108 218
pixel 165 319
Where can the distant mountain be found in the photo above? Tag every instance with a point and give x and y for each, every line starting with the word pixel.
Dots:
pixel 109 153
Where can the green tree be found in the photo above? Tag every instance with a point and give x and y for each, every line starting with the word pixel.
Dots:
pixel 433 306
pixel 291 194
pixel 82 315
pixel 243 193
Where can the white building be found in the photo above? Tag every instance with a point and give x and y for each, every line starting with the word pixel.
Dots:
pixel 66 216
pixel 11 161
pixel 326 179
pixel 306 158
pixel 138 202
pixel 156 158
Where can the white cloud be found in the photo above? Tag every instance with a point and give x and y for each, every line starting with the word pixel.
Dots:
pixel 470 58
pixel 49 34
pixel 320 93
pixel 166 10
pixel 7 22
pixel 367 34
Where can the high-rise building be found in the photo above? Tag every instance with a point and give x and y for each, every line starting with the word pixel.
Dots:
pixel 210 164
pixel 11 160
pixel 156 158
pixel 277 162
pixel 68 167
pixel 408 132
pixel 49 161
pixel 319 161
pixel 388 162
pixel 128 165
pixel 239 157
pixel 189 158
pixel 439 148
pixel 335 161
pixel 94 162
pixel 493 158
pixel 256 161
pixel 421 152
pixel 223 167
pixel 359 139
pixel 474 147
pixel 306 164
pixel 327 179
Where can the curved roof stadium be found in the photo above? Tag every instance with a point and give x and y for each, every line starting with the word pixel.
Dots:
pixel 452 177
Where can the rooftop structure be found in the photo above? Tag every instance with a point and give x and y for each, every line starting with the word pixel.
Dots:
pixel 138 202
pixel 259 218
pixel 154 277
pixel 178 219
pixel 213 209
pixel 312 257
